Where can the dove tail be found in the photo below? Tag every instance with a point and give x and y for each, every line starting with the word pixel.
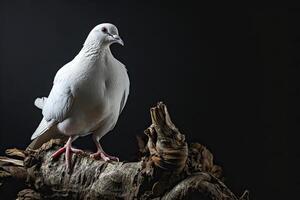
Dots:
pixel 42 128
pixel 45 132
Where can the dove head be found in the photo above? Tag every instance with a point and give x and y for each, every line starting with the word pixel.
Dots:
pixel 103 35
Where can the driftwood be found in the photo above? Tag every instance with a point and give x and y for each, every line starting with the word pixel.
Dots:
pixel 168 168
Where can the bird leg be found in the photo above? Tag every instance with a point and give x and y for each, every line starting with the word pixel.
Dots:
pixel 100 154
pixel 69 150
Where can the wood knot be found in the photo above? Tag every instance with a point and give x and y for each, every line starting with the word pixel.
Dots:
pixel 167 146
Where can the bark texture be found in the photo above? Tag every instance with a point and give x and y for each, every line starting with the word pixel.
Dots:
pixel 168 168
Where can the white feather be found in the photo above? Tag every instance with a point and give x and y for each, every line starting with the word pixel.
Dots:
pixel 42 128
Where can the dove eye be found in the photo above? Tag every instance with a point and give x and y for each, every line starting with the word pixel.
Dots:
pixel 104 30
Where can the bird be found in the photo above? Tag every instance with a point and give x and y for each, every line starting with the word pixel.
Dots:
pixel 87 96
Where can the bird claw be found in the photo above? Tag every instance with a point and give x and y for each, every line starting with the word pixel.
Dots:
pixel 77 150
pixel 103 156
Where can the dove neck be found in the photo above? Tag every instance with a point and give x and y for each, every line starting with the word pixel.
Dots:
pixel 95 50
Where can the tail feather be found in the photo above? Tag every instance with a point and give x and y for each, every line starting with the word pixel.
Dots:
pixel 42 128
pixel 45 132
pixel 51 133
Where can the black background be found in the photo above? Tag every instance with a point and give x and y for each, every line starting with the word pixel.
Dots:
pixel 222 71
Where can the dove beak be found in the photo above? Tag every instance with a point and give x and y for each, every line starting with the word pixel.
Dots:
pixel 118 40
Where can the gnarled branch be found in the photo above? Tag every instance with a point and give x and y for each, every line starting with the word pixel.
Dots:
pixel 168 169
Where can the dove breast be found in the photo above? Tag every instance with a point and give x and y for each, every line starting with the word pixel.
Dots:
pixel 98 89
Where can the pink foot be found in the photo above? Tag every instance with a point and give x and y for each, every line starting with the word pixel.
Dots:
pixel 63 149
pixel 58 152
pixel 104 156
pixel 68 156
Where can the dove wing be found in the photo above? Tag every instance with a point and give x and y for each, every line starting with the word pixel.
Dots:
pixel 58 104
pixel 126 84
pixel 60 99
pixel 124 98
pixel 56 109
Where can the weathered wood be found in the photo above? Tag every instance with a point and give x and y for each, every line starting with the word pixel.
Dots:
pixel 168 169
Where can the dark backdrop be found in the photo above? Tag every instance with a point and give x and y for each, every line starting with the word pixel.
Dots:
pixel 222 72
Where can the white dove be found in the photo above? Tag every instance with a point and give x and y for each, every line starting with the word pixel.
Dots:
pixel 87 96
